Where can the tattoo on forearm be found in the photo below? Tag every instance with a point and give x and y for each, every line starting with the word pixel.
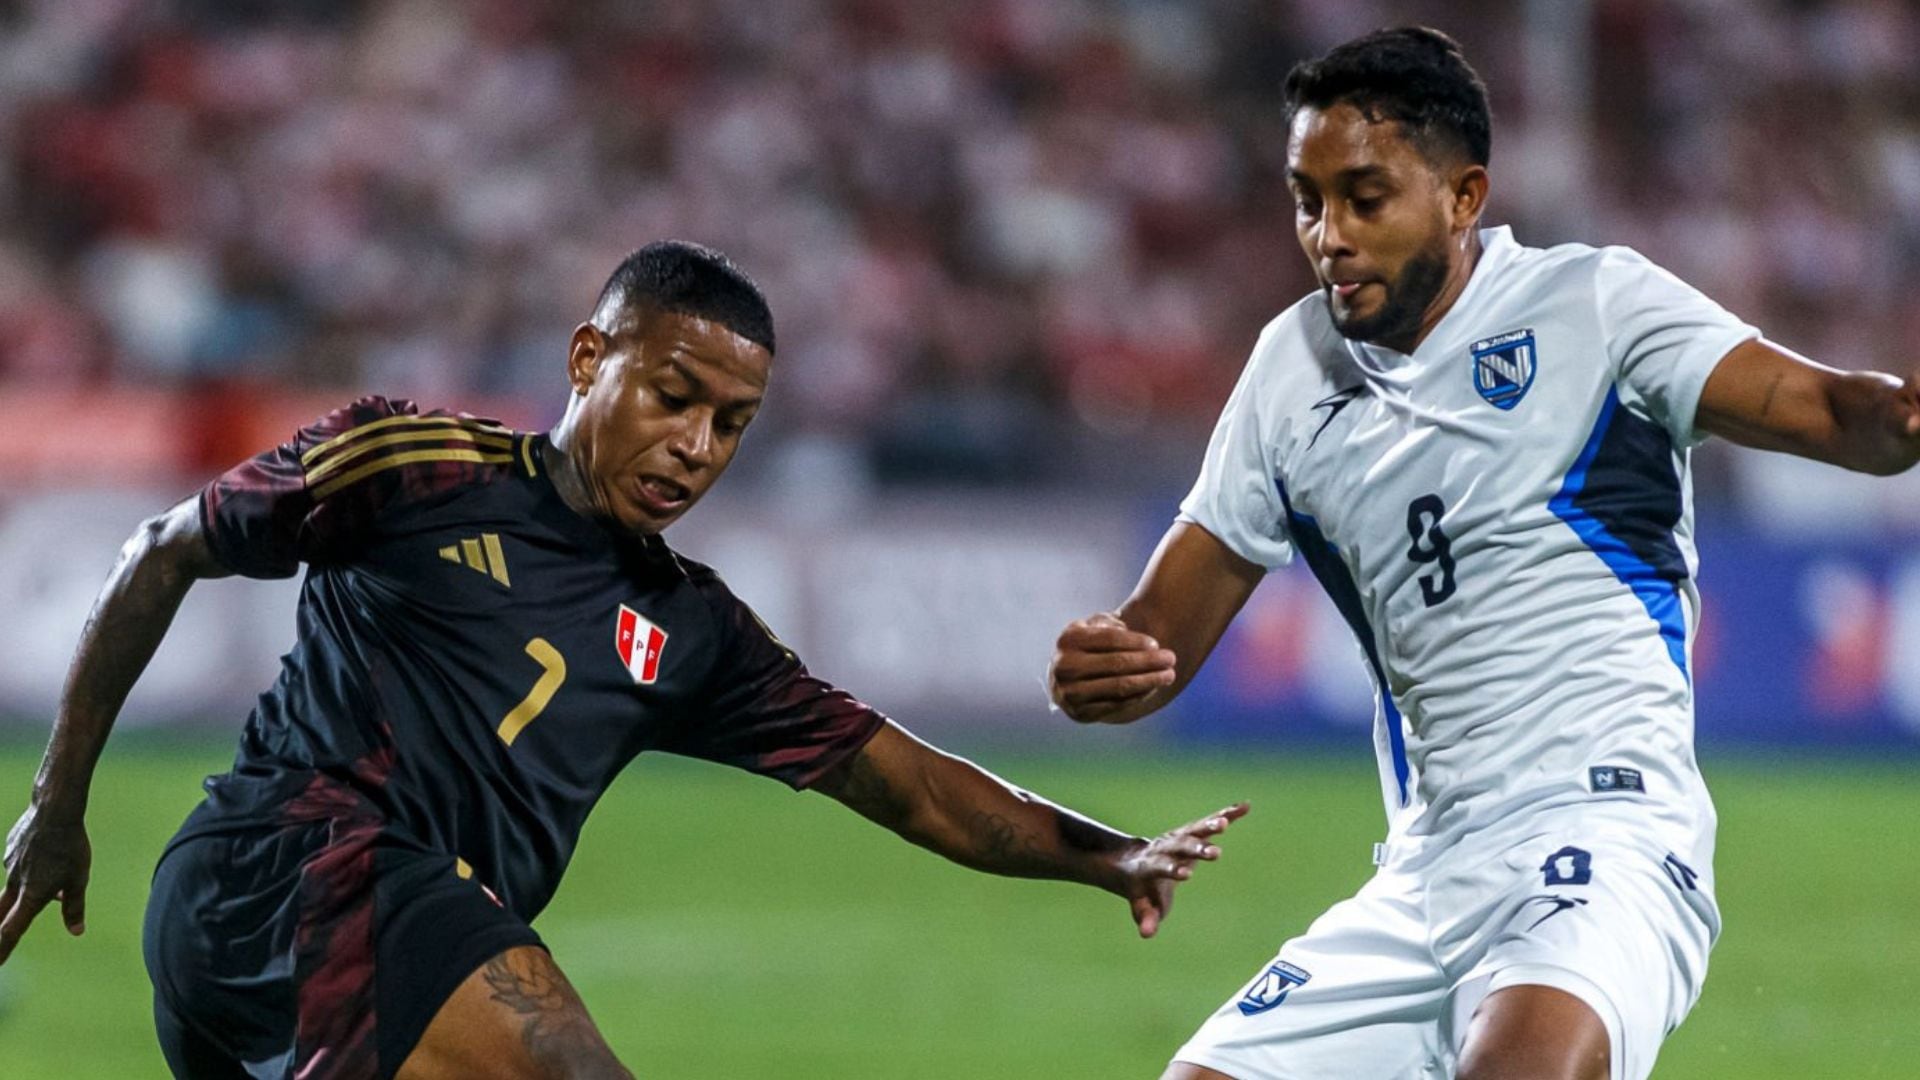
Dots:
pixel 974 818
pixel 554 1026
pixel 1008 848
pixel 999 841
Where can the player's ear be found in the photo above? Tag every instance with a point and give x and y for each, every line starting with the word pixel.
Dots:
pixel 584 354
pixel 1470 184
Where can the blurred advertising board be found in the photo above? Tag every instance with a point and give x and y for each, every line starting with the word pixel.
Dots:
pixel 1806 642
pixel 942 610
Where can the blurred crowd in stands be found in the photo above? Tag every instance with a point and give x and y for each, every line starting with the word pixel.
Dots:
pixel 1005 240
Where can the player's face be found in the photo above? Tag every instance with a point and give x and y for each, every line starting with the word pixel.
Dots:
pixel 1376 218
pixel 665 404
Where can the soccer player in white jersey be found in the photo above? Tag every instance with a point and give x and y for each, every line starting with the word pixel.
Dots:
pixel 1480 449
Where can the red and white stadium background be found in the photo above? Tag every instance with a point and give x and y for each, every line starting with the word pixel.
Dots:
pixel 1035 232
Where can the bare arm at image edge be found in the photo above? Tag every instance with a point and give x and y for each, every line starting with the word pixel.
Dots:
pixel 47 853
pixel 1770 398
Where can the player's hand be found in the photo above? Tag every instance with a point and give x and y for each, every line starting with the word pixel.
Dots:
pixel 1153 870
pixel 1103 672
pixel 46 860
pixel 1901 420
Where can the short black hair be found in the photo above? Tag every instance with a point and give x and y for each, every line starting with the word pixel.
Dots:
pixel 1415 75
pixel 683 278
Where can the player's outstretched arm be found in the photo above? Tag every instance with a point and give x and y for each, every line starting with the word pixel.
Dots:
pixel 1765 396
pixel 47 854
pixel 957 809
pixel 1116 667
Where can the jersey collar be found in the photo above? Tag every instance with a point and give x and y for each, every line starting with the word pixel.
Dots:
pixel 1497 245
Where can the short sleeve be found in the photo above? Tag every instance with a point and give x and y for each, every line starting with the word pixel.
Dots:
pixel 316 498
pixel 763 711
pixel 1235 497
pixel 1664 338
pixel 262 518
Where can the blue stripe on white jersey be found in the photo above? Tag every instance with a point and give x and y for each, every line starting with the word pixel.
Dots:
pixel 1622 497
pixel 1323 558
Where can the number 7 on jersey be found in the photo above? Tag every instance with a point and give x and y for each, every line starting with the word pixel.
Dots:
pixel 553 672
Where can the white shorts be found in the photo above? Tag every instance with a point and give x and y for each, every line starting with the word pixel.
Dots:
pixel 1383 984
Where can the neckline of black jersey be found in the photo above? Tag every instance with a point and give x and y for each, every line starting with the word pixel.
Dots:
pixel 552 508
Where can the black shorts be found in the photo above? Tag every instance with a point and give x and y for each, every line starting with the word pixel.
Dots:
pixel 320 949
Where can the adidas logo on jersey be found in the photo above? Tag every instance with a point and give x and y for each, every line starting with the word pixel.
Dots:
pixel 480 553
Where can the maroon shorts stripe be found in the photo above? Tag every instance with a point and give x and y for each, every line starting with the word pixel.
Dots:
pixel 334 958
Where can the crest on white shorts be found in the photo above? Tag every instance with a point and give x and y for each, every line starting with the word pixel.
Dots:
pixel 1272 987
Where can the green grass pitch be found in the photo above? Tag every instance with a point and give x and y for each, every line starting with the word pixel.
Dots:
pixel 720 926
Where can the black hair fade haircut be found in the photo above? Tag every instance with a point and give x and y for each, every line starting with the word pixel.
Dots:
pixel 1411 74
pixel 678 277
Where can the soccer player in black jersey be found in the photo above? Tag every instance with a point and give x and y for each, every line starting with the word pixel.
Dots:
pixel 489 630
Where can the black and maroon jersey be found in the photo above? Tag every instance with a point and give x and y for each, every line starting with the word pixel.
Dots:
pixel 475 661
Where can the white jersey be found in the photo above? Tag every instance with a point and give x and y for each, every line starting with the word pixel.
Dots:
pixel 1505 519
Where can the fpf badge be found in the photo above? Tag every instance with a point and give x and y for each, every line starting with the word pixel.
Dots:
pixel 1503 368
pixel 639 643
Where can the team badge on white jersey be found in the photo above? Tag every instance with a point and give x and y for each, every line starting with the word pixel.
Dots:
pixel 639 644
pixel 1503 368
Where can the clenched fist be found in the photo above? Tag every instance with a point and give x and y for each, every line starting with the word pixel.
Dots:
pixel 1105 673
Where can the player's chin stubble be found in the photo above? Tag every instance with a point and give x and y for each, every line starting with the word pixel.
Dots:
pixel 1399 317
